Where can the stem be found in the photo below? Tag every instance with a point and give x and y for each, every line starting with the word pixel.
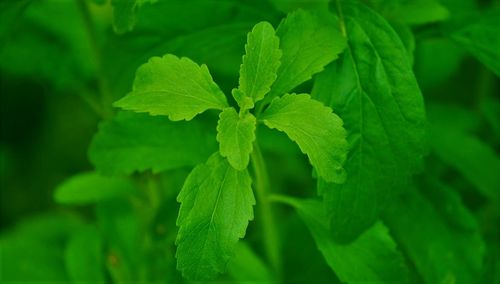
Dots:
pixel 269 232
pixel 106 98
pixel 341 18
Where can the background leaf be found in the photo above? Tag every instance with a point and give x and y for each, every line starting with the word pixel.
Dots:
pixel 359 261
pixel 479 36
pixel 91 187
pixel 137 142
pixel 440 253
pixel 84 256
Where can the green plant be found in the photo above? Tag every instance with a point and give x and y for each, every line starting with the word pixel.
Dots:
pixel 353 177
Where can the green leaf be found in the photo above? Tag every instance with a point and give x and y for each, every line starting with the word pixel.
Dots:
pixel 236 135
pixel 32 251
pixel 260 64
pixel 308 42
pixel 440 253
pixel 91 188
pixel 447 202
pixel 373 89
pixel 172 86
pixel 415 12
pixel 474 159
pixel 124 14
pixel 84 256
pixel 247 267
pixel 480 37
pixel 287 6
pixel 315 128
pixel 121 229
pixel 216 205
pixel 138 142
pixel 372 258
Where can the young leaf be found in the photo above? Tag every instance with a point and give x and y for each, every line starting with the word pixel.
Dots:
pixel 308 43
pixel 172 86
pixel 372 258
pixel 373 89
pixel 216 205
pixel 440 253
pixel 137 142
pixel 91 188
pixel 260 64
pixel 236 135
pixel 315 128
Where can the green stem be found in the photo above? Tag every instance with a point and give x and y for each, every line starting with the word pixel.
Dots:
pixel 106 98
pixel 266 217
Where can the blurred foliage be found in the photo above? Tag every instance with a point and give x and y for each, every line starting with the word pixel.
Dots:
pixel 63 63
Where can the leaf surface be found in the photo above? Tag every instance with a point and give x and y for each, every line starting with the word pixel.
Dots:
pixel 236 135
pixel 260 64
pixel 175 87
pixel 137 142
pixel 373 89
pixel 315 128
pixel 216 205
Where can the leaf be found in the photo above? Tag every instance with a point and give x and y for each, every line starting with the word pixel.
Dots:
pixel 407 38
pixel 415 12
pixel 474 159
pixel 34 43
pixel 315 128
pixel 308 43
pixel 124 14
pixel 32 251
pixel 372 258
pixel 480 37
pixel 236 135
pixel 216 205
pixel 121 229
pixel 287 6
pixel 247 267
pixel 439 253
pixel 91 188
pixel 260 64
pixel 373 89
pixel 138 142
pixel 447 202
pixel 172 86
pixel 84 257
